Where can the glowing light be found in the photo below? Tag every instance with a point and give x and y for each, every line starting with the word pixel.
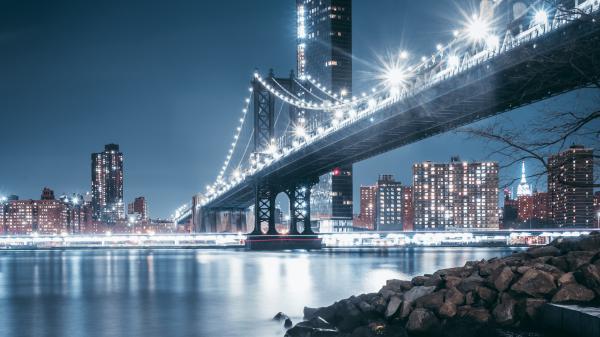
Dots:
pixel 339 114
pixel 395 76
pixel 453 61
pixel 300 131
pixel 344 92
pixel 477 29
pixel 403 55
pixel 540 17
pixel 492 42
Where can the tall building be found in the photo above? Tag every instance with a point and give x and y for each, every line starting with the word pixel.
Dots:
pixel 138 208
pixel 331 202
pixel 455 195
pixel 510 211
pixel 325 43
pixel 523 189
pixel 324 52
pixel 408 213
pixel 107 184
pixel 533 209
pixel 388 212
pixel 570 180
pixel 366 218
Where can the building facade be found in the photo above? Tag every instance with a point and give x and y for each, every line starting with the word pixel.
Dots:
pixel 456 195
pixel 107 184
pixel 138 208
pixel 47 216
pixel 570 191
pixel 324 52
pixel 366 217
pixel 388 210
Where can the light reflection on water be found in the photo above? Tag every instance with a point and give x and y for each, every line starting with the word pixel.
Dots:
pixel 157 293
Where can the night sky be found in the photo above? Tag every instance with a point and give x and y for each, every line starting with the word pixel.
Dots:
pixel 166 80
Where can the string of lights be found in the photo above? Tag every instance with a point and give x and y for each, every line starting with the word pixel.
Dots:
pixel 399 82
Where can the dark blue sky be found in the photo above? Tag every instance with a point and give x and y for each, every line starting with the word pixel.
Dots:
pixel 166 80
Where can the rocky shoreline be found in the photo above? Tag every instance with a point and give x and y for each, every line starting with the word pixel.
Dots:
pixel 480 298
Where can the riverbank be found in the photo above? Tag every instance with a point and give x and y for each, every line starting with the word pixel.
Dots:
pixel 476 299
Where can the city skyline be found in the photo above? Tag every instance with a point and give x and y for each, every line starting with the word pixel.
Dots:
pixel 179 138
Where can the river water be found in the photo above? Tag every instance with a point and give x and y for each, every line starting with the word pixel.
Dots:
pixel 168 293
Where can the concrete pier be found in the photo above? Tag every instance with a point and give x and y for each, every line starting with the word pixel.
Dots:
pixel 571 320
pixel 283 242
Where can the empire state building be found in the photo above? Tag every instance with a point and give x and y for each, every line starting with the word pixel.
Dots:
pixel 523 189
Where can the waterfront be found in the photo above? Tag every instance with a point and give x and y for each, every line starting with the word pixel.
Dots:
pixel 193 292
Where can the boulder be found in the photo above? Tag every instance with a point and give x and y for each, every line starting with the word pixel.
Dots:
pixel 434 281
pixel 454 296
pixel 555 272
pixel 422 321
pixel 326 313
pixel 535 283
pixel 586 242
pixel 387 293
pixel 505 313
pixel 405 309
pixel 543 251
pixel 470 298
pixel 560 262
pixel 348 317
pixel 476 314
pixel 566 278
pixel 393 306
pixel 367 309
pixel 419 280
pixel 417 292
pixel 455 272
pixel 280 317
pixel 502 278
pixel 452 281
pixel 312 328
pixel 288 323
pixel 491 267
pixel 589 275
pixel 432 301
pixel 533 306
pixel 399 285
pixel 576 259
pixel 573 292
pixel 487 295
pixel 470 283
pixel 447 310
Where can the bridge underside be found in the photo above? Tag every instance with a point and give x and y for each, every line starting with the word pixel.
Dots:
pixel 531 72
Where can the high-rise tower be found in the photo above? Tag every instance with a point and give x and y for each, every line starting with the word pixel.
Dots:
pixel 523 189
pixel 107 184
pixel 325 53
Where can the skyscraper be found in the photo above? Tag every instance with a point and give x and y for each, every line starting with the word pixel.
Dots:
pixel 367 207
pixel 455 195
pixel 107 184
pixel 388 212
pixel 523 189
pixel 570 180
pixel 324 43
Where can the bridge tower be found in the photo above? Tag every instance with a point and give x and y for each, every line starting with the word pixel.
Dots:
pixel 266 190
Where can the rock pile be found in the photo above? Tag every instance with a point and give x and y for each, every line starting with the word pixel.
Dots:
pixel 462 301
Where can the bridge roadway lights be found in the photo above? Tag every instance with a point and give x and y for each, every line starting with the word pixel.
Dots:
pixel 299 196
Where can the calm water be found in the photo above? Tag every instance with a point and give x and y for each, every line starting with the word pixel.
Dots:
pixel 192 292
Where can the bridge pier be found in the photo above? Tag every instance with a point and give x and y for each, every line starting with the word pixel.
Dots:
pixel 299 196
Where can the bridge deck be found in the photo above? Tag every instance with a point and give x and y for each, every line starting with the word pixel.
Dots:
pixel 533 71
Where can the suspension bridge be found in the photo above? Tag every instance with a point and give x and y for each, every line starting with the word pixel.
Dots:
pixel 293 129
